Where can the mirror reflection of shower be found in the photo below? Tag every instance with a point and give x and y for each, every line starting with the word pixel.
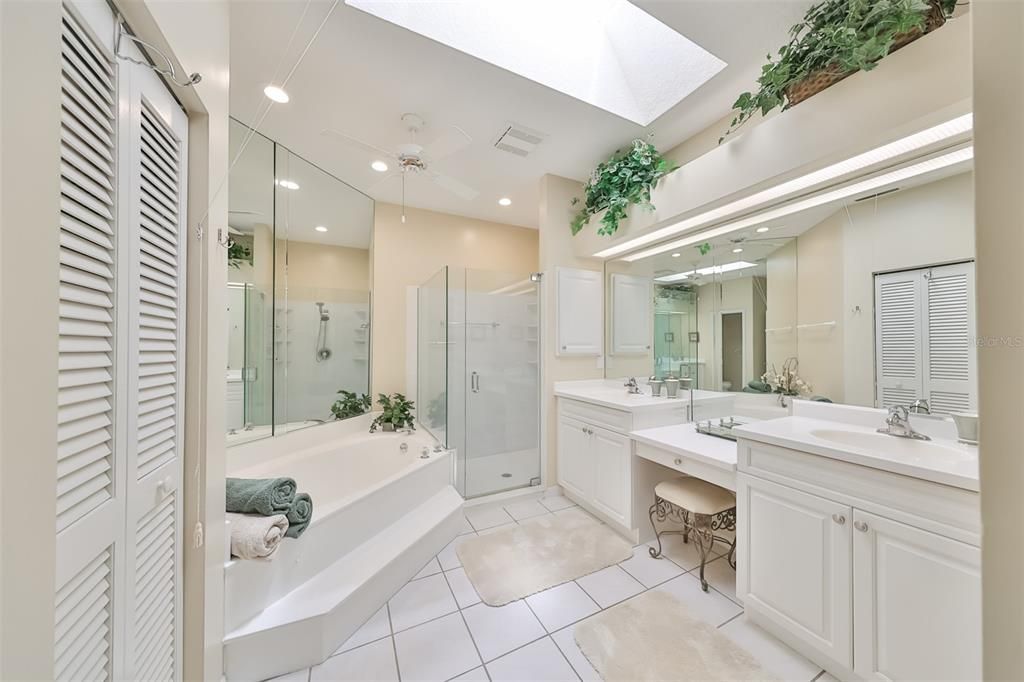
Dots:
pixel 322 351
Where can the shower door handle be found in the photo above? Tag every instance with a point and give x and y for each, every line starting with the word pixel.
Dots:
pixel 474 382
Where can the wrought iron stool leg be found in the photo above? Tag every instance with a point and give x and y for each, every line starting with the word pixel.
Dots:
pixel 657 534
pixel 705 540
pixel 686 525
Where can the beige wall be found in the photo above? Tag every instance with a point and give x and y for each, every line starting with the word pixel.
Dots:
pixel 999 210
pixel 408 254
pixel 556 249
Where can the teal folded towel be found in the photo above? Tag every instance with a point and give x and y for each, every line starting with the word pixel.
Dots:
pixel 299 514
pixel 756 386
pixel 266 496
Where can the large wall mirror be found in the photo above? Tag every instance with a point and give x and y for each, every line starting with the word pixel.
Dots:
pixel 298 291
pixel 868 301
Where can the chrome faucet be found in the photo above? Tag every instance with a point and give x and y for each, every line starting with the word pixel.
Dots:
pixel 632 387
pixel 920 406
pixel 898 424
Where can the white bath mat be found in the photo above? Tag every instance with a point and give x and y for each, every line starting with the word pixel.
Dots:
pixel 518 561
pixel 654 637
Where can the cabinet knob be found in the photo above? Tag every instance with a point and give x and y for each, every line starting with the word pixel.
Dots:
pixel 861 526
pixel 678 462
pixel 839 518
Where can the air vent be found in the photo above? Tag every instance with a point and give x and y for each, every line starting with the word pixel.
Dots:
pixel 518 140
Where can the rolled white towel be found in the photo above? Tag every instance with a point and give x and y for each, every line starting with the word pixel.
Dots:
pixel 256 537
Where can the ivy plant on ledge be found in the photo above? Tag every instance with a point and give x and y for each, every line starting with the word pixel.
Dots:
pixel 625 179
pixel 836 39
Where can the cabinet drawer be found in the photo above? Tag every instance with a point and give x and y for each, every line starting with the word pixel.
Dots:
pixel 616 420
pixel 686 465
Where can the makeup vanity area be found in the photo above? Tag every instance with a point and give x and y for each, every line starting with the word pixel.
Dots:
pixel 860 549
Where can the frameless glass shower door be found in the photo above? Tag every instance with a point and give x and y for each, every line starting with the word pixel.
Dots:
pixel 482 335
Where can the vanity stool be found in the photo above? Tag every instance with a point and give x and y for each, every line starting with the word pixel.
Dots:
pixel 701 508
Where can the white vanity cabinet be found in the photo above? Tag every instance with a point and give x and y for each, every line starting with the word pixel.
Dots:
pixel 872 574
pixel 594 468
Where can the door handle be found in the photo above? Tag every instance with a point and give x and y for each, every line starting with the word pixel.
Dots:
pixel 861 526
pixel 839 518
pixel 474 382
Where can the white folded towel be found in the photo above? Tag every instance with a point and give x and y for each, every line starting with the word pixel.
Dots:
pixel 256 537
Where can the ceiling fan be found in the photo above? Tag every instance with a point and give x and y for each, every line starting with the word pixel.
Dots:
pixel 415 159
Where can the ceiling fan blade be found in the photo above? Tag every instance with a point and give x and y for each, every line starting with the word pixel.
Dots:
pixel 447 143
pixel 330 132
pixel 456 187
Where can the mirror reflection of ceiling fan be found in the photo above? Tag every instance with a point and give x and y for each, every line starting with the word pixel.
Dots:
pixel 413 159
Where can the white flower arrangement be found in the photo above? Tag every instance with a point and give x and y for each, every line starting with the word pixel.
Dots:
pixel 786 382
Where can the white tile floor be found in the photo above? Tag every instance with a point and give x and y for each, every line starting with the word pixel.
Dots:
pixel 436 627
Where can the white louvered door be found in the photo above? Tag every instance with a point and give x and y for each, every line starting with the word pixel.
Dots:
pixel 121 363
pixel 924 331
pixel 898 333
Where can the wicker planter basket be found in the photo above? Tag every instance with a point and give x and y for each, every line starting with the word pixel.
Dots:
pixel 826 78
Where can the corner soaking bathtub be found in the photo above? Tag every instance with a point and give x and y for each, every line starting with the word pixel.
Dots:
pixel 380 512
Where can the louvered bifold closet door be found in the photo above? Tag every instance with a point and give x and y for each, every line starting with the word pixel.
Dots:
pixel 898 338
pixel 156 216
pixel 950 352
pixel 90 511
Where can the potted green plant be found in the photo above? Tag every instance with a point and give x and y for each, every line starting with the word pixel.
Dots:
pixel 836 39
pixel 238 253
pixel 351 404
pixel 396 413
pixel 623 180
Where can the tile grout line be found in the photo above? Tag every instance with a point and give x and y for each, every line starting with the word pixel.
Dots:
pixel 548 635
pixel 465 624
pixel 394 644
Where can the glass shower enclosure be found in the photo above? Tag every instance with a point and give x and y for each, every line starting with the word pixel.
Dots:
pixel 478 375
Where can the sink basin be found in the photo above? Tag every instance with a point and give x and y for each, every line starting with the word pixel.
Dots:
pixel 907 448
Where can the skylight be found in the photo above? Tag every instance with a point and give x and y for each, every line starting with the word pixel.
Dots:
pixel 607 53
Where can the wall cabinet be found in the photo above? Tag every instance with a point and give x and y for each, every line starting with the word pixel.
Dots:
pixel 858 591
pixel 632 314
pixel 579 302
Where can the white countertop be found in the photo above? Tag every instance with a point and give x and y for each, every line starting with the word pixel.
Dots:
pixel 941 460
pixel 683 440
pixel 613 394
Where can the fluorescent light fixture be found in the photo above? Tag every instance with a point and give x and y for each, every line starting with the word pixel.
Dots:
pixel 608 53
pixel 320 228
pixel 288 184
pixel 712 270
pixel 505 201
pixel 277 94
pixel 737 250
pixel 925 138
pixel 379 166
pixel 898 175
pixel 761 230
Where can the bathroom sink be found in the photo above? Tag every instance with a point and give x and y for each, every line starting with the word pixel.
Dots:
pixel 900 447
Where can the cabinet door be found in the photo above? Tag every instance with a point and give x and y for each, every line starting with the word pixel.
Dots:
pixel 611 460
pixel 631 313
pixel 917 603
pixel 578 311
pixel 795 563
pixel 575 467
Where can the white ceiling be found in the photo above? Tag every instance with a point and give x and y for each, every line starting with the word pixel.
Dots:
pixel 362 73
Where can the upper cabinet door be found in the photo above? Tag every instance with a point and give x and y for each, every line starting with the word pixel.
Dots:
pixel 578 312
pixel 917 605
pixel 631 314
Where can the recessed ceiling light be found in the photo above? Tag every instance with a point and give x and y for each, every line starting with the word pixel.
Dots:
pixel 320 228
pixel 761 230
pixel 505 201
pixel 277 94
pixel 379 166
pixel 288 184
pixel 676 255
pixel 737 250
